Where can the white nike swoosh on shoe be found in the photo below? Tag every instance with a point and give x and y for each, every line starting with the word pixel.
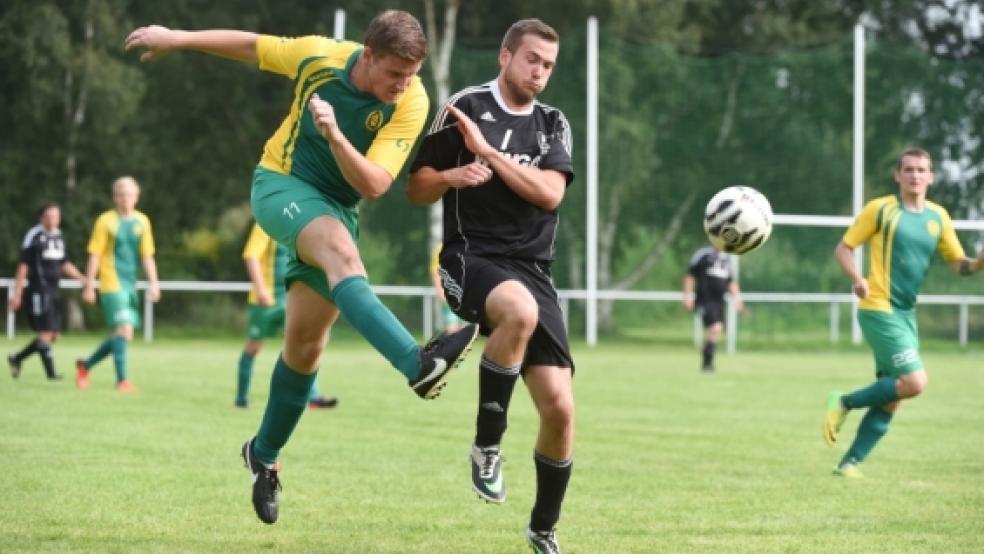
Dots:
pixel 440 364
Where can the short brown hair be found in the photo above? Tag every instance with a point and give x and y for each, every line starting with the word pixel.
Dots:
pixel 514 36
pixel 915 152
pixel 398 33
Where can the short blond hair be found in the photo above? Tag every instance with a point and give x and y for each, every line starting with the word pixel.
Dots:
pixel 120 182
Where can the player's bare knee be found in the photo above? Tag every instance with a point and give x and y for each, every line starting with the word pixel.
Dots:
pixel 521 318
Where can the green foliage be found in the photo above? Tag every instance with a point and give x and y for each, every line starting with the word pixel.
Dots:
pixel 696 95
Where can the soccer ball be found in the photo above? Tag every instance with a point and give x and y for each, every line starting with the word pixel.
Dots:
pixel 738 220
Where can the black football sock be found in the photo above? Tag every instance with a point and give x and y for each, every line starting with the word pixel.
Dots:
pixel 44 350
pixel 552 477
pixel 31 348
pixel 495 388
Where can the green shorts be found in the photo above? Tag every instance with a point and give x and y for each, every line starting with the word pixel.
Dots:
pixel 264 321
pixel 120 308
pixel 894 340
pixel 283 205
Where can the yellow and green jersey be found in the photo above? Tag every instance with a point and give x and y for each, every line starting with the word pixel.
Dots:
pixel 901 245
pixel 384 133
pixel 120 243
pixel 273 263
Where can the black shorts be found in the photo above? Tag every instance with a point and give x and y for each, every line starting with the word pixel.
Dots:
pixel 42 310
pixel 711 313
pixel 468 280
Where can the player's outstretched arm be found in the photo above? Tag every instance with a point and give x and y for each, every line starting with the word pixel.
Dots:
pixel 157 41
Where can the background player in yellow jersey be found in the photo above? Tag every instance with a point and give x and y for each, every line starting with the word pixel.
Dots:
pixel 121 242
pixel 266 263
pixel 356 113
pixel 903 232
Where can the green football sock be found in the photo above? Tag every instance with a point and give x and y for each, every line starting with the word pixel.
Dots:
pixel 375 322
pixel 101 352
pixel 288 397
pixel 244 375
pixel 119 357
pixel 315 390
pixel 873 427
pixel 879 393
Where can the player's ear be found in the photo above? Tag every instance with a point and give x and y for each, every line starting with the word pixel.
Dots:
pixel 504 56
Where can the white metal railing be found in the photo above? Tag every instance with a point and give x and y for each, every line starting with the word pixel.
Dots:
pixel 962 302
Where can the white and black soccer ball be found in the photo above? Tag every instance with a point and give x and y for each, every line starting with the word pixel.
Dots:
pixel 738 220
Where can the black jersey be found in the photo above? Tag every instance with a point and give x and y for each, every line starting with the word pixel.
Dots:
pixel 712 271
pixel 491 219
pixel 43 252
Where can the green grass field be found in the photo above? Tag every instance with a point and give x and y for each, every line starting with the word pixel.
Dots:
pixel 667 459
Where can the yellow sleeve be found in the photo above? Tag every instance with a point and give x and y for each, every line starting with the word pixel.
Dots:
pixel 256 244
pixel 284 55
pixel 100 235
pixel 392 145
pixel 864 226
pixel 435 260
pixel 147 239
pixel 949 246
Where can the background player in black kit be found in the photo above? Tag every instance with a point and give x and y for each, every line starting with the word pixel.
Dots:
pixel 712 274
pixel 42 263
pixel 501 161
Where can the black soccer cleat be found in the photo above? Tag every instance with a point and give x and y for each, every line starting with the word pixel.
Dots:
pixel 486 465
pixel 15 367
pixel 543 542
pixel 266 484
pixel 323 403
pixel 439 356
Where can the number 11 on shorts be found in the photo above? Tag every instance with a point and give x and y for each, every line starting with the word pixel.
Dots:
pixel 291 210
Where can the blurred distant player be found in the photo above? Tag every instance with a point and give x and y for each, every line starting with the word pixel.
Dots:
pixel 903 232
pixel 500 161
pixel 357 111
pixel 710 275
pixel 121 242
pixel 42 262
pixel 266 263
pixel 449 321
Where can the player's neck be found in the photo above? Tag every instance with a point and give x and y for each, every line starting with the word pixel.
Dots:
pixel 913 202
pixel 512 102
pixel 123 212
pixel 357 76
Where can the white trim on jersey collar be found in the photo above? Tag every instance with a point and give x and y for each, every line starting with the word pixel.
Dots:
pixel 497 94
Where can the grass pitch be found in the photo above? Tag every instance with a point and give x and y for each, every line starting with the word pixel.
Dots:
pixel 667 459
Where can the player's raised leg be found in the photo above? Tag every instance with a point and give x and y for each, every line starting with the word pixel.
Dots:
pixel 326 243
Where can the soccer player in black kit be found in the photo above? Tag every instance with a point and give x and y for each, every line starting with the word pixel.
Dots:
pixel 710 271
pixel 42 262
pixel 501 162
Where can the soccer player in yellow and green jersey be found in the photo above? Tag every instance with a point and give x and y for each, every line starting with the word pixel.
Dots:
pixel 357 111
pixel 903 232
pixel 266 264
pixel 121 242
